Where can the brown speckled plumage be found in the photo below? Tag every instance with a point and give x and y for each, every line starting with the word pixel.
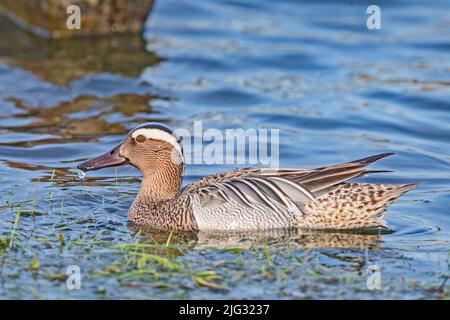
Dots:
pixel 171 214
pixel 353 206
pixel 246 199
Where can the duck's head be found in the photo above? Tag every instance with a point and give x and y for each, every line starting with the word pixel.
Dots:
pixel 147 147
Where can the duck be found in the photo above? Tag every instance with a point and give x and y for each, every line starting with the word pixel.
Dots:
pixel 245 199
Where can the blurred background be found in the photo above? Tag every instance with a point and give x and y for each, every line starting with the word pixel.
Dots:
pixel 336 90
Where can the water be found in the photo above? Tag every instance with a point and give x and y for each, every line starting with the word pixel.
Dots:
pixel 336 91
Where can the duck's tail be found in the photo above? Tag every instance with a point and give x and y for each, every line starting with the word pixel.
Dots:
pixel 353 206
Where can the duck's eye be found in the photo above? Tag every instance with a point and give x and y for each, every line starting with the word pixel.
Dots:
pixel 140 138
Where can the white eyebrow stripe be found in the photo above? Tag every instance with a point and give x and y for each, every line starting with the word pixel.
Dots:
pixel 158 134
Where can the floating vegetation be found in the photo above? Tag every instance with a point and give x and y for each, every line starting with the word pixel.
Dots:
pixel 208 279
pixel 34 264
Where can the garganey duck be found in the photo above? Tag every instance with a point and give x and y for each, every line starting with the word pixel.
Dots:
pixel 245 199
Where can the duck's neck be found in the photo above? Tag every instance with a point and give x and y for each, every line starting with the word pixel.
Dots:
pixel 161 184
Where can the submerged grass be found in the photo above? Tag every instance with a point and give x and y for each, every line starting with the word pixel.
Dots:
pixel 16 223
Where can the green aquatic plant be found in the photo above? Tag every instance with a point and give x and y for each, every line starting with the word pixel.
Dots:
pixel 3 245
pixel 34 264
pixel 208 279
pixel 16 223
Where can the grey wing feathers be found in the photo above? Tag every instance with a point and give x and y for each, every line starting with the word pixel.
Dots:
pixel 277 189
pixel 253 192
pixel 325 179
